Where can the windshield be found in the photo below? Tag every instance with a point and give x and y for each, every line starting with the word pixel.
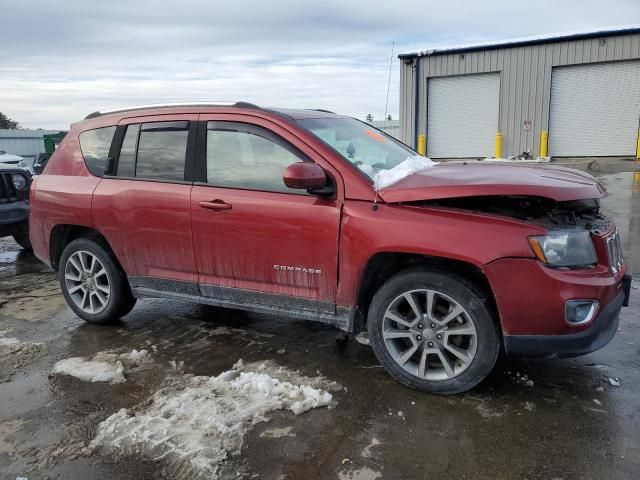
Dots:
pixel 360 144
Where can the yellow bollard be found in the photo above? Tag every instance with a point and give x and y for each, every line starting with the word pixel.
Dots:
pixel 498 152
pixel 422 145
pixel 544 140
pixel 636 173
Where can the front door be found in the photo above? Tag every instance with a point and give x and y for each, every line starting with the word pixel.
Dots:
pixel 255 240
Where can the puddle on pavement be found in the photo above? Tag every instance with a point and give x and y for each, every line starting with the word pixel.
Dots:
pixel 15 261
pixel 623 203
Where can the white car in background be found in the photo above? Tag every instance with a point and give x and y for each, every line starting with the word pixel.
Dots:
pixel 15 160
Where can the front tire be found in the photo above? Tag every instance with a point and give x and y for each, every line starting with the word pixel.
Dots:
pixel 92 283
pixel 433 332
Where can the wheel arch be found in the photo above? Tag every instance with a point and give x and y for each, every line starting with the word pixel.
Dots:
pixel 382 266
pixel 62 235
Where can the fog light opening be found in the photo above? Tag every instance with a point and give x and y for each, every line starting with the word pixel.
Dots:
pixel 578 312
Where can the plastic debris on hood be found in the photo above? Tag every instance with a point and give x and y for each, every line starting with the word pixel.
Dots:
pixel 384 178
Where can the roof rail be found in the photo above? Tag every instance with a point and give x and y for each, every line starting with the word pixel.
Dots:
pixel 172 105
pixel 320 110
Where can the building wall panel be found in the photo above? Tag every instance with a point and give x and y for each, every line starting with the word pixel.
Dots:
pixel 525 82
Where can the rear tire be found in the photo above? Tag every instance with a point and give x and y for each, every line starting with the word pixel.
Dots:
pixel 92 283
pixel 22 239
pixel 432 331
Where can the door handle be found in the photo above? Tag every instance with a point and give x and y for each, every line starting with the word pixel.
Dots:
pixel 216 205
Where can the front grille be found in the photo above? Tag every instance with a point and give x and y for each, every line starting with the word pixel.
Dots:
pixel 7 191
pixel 614 250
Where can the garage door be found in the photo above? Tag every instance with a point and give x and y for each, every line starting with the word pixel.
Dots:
pixel 595 109
pixel 462 115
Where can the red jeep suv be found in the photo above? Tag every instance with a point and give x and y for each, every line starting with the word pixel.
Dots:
pixel 308 214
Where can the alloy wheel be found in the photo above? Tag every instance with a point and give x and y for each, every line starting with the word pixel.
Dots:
pixel 87 282
pixel 429 334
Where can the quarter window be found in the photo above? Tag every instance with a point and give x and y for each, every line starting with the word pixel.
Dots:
pixel 247 158
pixel 162 149
pixel 95 145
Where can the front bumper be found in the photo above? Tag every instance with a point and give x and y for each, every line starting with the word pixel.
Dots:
pixel 14 218
pixel 599 334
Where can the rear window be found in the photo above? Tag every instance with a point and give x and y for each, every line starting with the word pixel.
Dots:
pixel 95 145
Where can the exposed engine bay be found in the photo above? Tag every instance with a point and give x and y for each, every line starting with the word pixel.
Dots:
pixel 538 210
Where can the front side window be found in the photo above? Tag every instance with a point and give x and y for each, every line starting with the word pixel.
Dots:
pixel 162 149
pixel 95 145
pixel 247 157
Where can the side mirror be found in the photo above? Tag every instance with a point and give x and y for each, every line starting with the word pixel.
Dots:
pixel 305 176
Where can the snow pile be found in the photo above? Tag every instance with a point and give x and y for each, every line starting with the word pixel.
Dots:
pixel 193 423
pixel 103 367
pixel 9 342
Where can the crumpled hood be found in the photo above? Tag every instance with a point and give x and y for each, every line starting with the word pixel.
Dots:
pixel 451 180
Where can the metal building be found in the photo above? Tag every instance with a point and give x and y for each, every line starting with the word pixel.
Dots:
pixel 390 127
pixel 504 98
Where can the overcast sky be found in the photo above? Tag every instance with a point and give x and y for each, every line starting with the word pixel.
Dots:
pixel 61 59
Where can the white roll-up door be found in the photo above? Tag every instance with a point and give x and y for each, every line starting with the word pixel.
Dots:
pixel 595 109
pixel 462 115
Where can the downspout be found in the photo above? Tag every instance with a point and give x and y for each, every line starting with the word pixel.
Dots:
pixel 416 107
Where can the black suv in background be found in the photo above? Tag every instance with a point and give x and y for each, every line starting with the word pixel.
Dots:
pixel 14 204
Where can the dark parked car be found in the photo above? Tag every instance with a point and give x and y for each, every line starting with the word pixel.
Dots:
pixel 14 204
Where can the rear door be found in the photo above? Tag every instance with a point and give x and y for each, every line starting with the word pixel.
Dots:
pixel 261 242
pixel 143 208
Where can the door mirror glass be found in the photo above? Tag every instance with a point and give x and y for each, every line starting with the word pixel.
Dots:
pixel 304 175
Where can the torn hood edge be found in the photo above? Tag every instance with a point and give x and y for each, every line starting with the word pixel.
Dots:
pixel 449 180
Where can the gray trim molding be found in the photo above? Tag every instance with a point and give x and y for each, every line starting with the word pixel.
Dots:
pixel 249 300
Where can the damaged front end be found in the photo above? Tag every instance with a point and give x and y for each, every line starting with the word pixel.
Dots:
pixel 544 212
pixel 577 233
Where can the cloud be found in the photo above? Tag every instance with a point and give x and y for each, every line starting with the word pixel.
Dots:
pixel 61 60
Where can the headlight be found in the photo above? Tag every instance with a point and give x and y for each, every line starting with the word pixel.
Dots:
pixel 564 249
pixel 19 181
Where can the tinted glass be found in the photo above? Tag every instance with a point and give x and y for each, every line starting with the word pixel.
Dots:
pixel 95 146
pixel 161 150
pixel 127 159
pixel 360 144
pixel 246 160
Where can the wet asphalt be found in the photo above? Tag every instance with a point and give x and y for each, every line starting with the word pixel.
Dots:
pixel 533 419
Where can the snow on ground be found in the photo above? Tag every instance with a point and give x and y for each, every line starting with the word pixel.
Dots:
pixel 8 342
pixel 103 367
pixel 15 353
pixel 193 423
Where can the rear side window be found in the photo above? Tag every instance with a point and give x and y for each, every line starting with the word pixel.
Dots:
pixel 95 146
pixel 162 149
pixel 127 158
